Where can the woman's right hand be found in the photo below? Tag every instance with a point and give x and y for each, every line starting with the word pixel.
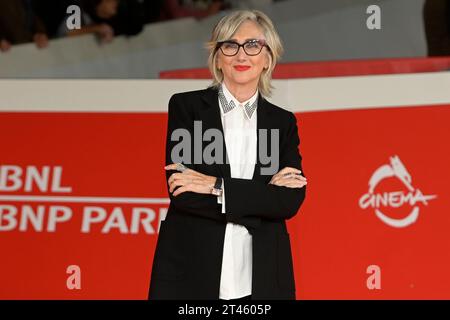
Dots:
pixel 289 177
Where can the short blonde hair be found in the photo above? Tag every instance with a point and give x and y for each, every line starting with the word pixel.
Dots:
pixel 227 27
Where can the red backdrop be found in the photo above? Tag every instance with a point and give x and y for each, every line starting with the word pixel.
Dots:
pixel 91 191
pixel 115 156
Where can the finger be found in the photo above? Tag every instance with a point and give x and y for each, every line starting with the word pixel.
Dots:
pixel 194 186
pixel 180 190
pixel 172 166
pixel 274 180
pixel 181 175
pixel 173 176
pixel 187 187
pixel 182 182
pixel 176 166
pixel 178 183
pixel 277 176
pixel 282 178
pixel 193 172
pixel 295 176
pixel 282 171
pixel 186 180
pixel 290 169
pixel 277 182
pixel 295 184
pixel 289 176
pixel 174 184
pixel 292 183
pixel 285 172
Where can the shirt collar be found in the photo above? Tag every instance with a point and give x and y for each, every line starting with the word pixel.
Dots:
pixel 228 101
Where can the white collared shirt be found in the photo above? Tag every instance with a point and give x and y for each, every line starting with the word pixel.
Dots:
pixel 240 139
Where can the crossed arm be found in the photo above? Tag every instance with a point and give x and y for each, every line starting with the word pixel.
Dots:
pixel 246 200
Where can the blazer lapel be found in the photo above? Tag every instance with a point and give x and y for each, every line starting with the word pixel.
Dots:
pixel 210 117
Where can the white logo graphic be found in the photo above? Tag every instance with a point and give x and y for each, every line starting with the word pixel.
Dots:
pixel 394 199
pixel 57 205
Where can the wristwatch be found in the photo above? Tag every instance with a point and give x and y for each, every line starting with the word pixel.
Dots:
pixel 217 189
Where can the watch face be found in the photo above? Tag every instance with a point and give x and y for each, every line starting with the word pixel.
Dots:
pixel 216 192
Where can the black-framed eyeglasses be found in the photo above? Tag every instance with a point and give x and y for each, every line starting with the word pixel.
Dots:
pixel 251 47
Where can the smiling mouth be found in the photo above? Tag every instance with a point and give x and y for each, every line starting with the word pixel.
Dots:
pixel 241 68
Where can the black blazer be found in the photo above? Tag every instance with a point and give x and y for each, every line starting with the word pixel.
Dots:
pixel 188 256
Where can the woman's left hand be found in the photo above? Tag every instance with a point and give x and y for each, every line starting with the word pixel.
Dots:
pixel 289 177
pixel 189 180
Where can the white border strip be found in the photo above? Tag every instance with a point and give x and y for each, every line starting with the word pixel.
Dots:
pixel 298 95
pixel 341 93
pixel 15 198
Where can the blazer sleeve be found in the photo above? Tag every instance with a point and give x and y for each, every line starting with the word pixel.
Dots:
pixel 181 117
pixel 247 199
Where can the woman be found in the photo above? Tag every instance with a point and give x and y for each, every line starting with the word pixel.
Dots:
pixel 225 234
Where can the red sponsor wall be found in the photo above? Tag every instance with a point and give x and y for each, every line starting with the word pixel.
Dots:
pixel 107 161
pixel 336 238
pixel 87 189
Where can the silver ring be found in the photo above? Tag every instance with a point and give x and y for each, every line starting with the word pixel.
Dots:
pixel 181 167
